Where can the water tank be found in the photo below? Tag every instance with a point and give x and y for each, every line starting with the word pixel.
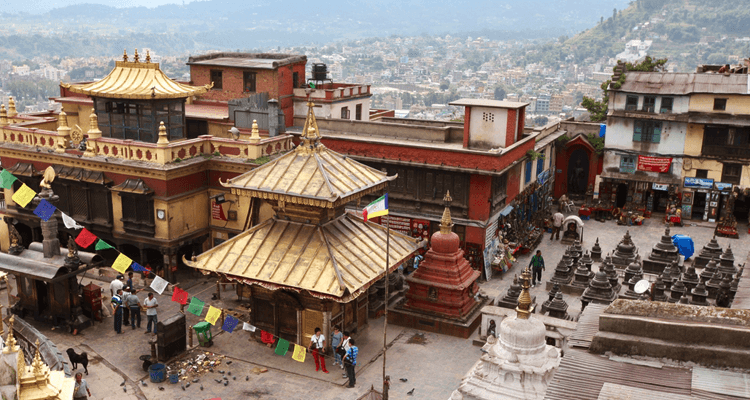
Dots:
pixel 319 72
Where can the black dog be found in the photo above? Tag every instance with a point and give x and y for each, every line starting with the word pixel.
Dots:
pixel 76 359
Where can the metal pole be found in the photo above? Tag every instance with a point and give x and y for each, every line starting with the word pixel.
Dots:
pixel 385 323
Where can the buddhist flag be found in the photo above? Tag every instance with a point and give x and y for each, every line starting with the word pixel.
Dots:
pixel 7 179
pixel 196 306
pixel 230 323
pixel 213 314
pixel 139 268
pixel 178 295
pixel 159 284
pixel 44 210
pixel 299 353
pixel 377 208
pixel 70 223
pixel 282 347
pixel 24 195
pixel 102 245
pixel 122 262
pixel 266 337
pixel 85 238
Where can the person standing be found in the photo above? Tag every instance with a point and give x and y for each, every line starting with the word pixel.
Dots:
pixel 115 285
pixel 117 310
pixel 345 348
pixel 557 221
pixel 537 266
pixel 317 344
pixel 81 389
pixel 150 305
pixel 336 340
pixel 129 282
pixel 134 304
pixel 350 360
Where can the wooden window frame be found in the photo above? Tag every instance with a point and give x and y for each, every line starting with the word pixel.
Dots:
pixel 217 77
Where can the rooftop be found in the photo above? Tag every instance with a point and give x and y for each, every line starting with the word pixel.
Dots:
pixel 246 60
pixel 488 103
pixel 685 83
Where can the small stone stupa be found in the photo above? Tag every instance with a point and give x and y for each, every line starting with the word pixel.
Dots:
pixel 690 278
pixel 625 252
pixel 441 291
pixel 519 364
pixel 726 262
pixel 709 271
pixel 662 254
pixel 712 249
pixel 599 290
pixel 596 251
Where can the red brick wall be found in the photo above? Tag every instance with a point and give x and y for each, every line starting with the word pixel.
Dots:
pixel 467 121
pixel 513 186
pixel 510 129
pixel 521 121
pixel 475 235
pixel 480 192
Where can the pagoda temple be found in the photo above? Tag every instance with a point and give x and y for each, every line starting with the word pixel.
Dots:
pixel 441 292
pixel 309 265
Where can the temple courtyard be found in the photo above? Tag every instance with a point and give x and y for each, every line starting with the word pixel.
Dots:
pixel 432 364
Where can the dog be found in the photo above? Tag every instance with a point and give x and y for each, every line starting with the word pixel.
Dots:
pixel 76 359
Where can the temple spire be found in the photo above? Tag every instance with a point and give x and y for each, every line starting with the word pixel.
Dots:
pixel 524 308
pixel 10 341
pixel 446 223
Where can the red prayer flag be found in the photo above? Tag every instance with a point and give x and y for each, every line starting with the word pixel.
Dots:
pixel 85 238
pixel 180 296
pixel 266 337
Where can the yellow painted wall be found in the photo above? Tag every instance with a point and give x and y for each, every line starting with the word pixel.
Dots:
pixel 241 204
pixel 218 130
pixel 117 213
pixel 186 214
pixel 736 104
pixel 265 212
pixel 694 139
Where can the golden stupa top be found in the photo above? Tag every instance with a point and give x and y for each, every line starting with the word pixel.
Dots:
pixel 138 81
pixel 310 174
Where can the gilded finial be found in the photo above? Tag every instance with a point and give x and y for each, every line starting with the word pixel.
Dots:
pixel 125 55
pixel 163 140
pixel 37 364
pixel 62 120
pixel 11 107
pixel 524 308
pixel 255 134
pixel 93 134
pixel 148 56
pixel 10 341
pixel 446 223
pixel 3 115
pixel 135 56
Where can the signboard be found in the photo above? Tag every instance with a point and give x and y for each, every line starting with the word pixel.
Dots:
pixel 217 212
pixel 654 164
pixel 398 224
pixel 723 187
pixel 699 183
pixel 659 186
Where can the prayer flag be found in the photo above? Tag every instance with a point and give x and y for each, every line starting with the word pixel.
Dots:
pixel 139 268
pixel 282 347
pixel 248 327
pixel 266 337
pixel 158 284
pixel 122 262
pixel 213 314
pixel 102 245
pixel 196 306
pixel 85 238
pixel 299 353
pixel 7 179
pixel 178 295
pixel 377 208
pixel 44 210
pixel 23 195
pixel 70 223
pixel 230 323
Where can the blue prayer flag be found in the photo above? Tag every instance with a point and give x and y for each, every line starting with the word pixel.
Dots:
pixel 44 210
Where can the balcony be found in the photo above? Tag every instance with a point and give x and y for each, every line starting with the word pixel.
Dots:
pixel 726 151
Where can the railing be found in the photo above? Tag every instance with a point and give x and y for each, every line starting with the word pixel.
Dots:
pixel 726 151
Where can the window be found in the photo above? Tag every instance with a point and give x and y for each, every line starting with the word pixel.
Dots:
pixel 649 103
pixel 488 117
pixel 631 104
pixel 666 104
pixel 720 104
pixel 295 79
pixel 139 120
pixel 216 78
pixel 344 112
pixel 248 81
pixel 138 214
pixel 627 164
pixel 358 112
pixel 528 172
pixel 539 165
pixel 731 173
pixel 647 131
pixel 701 173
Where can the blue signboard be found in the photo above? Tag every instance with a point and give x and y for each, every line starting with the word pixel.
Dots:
pixel 699 183
pixel 723 187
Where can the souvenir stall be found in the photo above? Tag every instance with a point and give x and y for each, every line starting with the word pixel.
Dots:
pixel 526 221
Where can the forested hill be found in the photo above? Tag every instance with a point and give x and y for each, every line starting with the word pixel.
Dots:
pixel 687 32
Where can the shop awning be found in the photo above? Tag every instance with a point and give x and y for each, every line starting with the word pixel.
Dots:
pixel 505 211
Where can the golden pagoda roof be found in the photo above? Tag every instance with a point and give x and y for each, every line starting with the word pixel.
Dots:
pixel 335 260
pixel 138 81
pixel 310 174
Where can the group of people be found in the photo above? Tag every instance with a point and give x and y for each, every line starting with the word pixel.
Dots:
pixel 126 306
pixel 344 350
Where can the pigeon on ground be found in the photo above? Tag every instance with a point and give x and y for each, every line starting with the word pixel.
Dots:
pixel 411 392
pixel 187 385
pixel 201 386
pixel 143 383
pixel 125 389
pixel 403 379
pixel 226 383
pixel 123 383
pixel 183 387
pixel 247 378
pixel 161 387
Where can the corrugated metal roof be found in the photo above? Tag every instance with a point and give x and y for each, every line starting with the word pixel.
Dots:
pixel 721 382
pixel 684 83
pixel 345 254
pixel 613 391
pixel 488 103
pixel 588 325
pixel 582 375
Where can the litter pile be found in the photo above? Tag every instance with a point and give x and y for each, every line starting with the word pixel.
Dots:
pixel 196 364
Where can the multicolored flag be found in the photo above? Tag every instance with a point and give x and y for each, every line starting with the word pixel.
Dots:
pixel 377 208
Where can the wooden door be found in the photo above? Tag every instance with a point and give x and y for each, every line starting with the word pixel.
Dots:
pixel 287 327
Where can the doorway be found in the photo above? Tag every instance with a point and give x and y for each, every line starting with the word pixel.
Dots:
pixel 578 172
pixel 699 204
pixel 742 207
pixel 621 195
pixel 661 198
pixel 42 297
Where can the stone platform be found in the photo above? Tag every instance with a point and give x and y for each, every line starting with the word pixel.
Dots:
pixel 462 328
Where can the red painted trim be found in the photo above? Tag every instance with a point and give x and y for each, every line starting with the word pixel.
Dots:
pixel 467 124
pixel 510 128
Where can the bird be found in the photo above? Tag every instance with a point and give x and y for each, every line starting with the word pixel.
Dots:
pixel 247 378
pixel 226 383
pixel 229 362
pixel 79 155
pixel 123 383
pixel 234 378
pixel 411 392
pixel 125 389
pixel 161 387
pixel 50 151
pixel 187 385
pixel 143 383
pixel 403 379
pixel 106 159
pixel 201 386
pixel 483 350
pixel 229 373
pixel 183 387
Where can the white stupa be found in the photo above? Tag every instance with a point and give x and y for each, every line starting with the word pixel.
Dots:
pixel 519 364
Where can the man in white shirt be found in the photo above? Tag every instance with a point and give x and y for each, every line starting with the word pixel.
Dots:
pixel 116 285
pixel 557 221
pixel 150 305
pixel 317 345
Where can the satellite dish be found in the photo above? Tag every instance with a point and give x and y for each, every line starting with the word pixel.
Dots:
pixel 642 286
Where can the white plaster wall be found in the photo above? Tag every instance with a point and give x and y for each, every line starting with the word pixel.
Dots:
pixel 680 104
pixel 333 110
pixel 486 133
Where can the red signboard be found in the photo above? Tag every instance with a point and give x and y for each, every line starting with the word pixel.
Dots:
pixel 217 212
pixel 654 164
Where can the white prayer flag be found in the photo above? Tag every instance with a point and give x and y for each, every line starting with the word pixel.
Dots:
pixel 70 223
pixel 248 327
pixel 159 284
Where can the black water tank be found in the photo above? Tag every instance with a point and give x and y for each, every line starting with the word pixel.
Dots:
pixel 319 72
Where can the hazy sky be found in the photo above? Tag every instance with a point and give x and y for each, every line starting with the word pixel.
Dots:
pixel 40 6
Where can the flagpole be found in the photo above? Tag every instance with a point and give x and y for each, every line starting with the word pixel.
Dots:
pixel 385 323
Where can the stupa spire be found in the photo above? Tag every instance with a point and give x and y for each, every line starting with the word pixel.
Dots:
pixel 10 341
pixel 446 223
pixel 524 308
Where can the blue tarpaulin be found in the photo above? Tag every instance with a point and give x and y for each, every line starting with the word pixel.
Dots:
pixel 506 211
pixel 602 130
pixel 684 245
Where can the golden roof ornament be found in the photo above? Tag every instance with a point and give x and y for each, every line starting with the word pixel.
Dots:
pixel 11 107
pixel 125 55
pixel 135 57
pixel 148 56
pixel 37 365
pixel 3 115
pixel 62 120
pixel 524 309
pixel 163 140
pixel 310 134
pixel 10 341
pixel 255 133
pixel 48 178
pixel 446 223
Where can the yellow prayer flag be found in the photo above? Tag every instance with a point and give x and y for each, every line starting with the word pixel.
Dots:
pixel 299 353
pixel 122 263
pixel 23 195
pixel 213 314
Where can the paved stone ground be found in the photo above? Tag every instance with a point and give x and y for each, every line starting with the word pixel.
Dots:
pixel 433 368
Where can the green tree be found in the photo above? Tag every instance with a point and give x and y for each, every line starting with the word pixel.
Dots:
pixel 499 93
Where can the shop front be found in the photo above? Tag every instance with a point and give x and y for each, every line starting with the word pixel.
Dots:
pixel 698 197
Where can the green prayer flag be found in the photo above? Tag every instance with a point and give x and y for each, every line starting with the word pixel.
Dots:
pixel 7 179
pixel 196 306
pixel 282 347
pixel 312 85
pixel 102 245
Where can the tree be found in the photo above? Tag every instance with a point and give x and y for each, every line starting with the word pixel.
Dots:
pixel 499 93
pixel 444 85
